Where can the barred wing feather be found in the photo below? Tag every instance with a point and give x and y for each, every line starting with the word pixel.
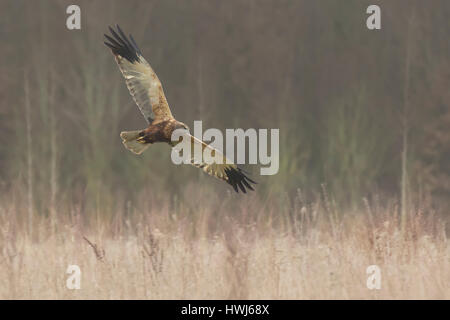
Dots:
pixel 226 171
pixel 141 80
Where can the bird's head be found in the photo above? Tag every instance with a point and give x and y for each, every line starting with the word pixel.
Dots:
pixel 181 125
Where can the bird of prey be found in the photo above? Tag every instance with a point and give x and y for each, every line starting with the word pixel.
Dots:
pixel 147 92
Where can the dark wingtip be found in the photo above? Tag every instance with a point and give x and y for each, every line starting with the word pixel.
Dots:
pixel 108 45
pixel 238 179
pixel 120 45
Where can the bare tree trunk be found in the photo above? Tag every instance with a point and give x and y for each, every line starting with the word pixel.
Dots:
pixel 405 126
pixel 200 93
pixel 53 159
pixel 29 156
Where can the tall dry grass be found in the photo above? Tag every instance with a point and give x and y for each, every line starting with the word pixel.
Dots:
pixel 209 246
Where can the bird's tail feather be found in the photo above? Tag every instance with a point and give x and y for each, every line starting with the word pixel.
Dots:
pixel 131 141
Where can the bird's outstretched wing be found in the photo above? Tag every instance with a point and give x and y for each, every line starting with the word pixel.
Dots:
pixel 142 81
pixel 225 171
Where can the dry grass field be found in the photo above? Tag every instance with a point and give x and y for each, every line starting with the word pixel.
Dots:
pixel 363 117
pixel 226 248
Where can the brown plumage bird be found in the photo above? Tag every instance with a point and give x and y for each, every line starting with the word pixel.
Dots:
pixel 147 92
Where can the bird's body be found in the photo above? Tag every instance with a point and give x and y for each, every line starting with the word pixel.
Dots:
pixel 160 132
pixel 147 92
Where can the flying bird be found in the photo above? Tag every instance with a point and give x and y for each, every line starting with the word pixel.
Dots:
pixel 148 94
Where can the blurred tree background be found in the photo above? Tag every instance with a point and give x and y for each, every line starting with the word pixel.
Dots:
pixel 344 97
